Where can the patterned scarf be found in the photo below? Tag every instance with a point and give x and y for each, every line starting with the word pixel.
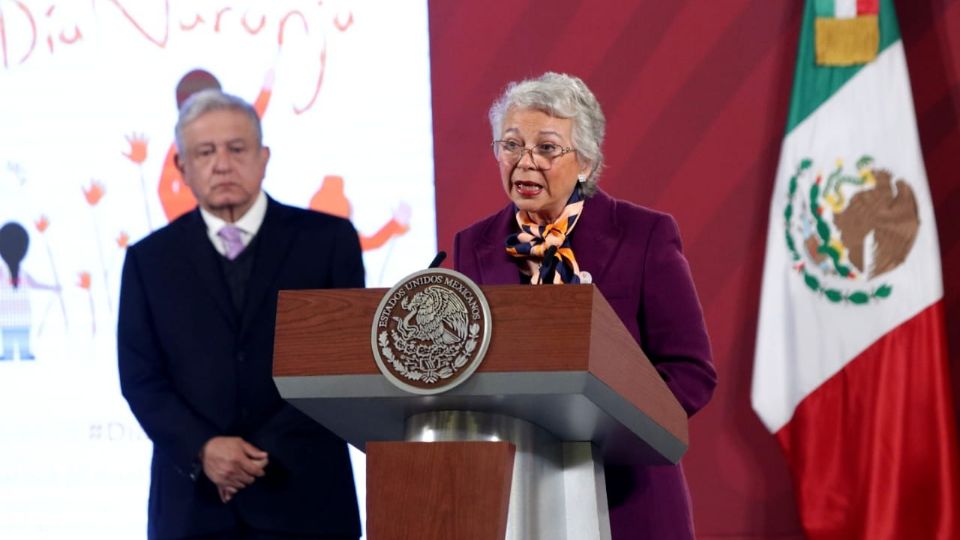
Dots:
pixel 546 248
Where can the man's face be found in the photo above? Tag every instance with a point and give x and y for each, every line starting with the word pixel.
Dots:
pixel 222 162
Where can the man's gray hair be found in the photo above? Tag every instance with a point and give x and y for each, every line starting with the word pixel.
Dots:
pixel 213 99
pixel 560 96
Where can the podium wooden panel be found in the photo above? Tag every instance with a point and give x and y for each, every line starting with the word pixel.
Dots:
pixel 438 490
pixel 577 374
pixel 584 379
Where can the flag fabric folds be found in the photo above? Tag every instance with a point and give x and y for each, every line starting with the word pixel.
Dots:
pixel 850 369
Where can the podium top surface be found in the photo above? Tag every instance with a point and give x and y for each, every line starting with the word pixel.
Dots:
pixel 583 378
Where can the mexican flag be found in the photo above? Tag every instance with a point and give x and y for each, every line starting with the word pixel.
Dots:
pixel 851 372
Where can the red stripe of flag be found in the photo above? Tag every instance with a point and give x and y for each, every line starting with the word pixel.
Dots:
pixel 873 451
pixel 868 7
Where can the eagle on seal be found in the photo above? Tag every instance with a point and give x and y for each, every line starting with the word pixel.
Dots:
pixel 440 316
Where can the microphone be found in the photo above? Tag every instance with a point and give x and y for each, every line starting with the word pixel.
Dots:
pixel 438 259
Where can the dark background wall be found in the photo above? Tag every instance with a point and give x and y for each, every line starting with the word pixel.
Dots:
pixel 695 94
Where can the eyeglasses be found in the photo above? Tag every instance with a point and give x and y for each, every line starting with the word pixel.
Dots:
pixel 543 154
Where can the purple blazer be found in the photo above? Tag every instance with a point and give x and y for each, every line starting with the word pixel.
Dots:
pixel 636 260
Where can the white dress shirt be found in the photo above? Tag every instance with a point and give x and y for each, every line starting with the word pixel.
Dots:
pixel 248 224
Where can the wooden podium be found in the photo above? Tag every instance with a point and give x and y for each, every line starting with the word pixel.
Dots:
pixel 517 450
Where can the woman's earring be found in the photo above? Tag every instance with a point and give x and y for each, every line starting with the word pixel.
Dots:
pixel 581 178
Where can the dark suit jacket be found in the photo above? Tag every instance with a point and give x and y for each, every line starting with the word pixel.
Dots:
pixel 635 258
pixel 192 367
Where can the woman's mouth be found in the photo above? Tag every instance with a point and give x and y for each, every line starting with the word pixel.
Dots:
pixel 527 189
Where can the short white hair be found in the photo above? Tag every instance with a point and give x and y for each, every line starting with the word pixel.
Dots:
pixel 561 96
pixel 213 99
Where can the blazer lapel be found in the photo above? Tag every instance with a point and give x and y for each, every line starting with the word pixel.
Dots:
pixel 596 236
pixel 203 259
pixel 274 238
pixel 495 266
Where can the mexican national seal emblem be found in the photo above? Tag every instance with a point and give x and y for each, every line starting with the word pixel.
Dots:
pixel 431 331
pixel 846 231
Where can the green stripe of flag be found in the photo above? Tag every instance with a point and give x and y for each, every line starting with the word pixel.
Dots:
pixel 824 8
pixel 813 84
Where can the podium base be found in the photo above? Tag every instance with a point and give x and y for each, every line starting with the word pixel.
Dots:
pixel 558 489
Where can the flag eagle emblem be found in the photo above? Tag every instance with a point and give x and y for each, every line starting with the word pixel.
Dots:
pixel 846 231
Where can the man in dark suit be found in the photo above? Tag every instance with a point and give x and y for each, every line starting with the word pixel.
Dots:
pixel 198 301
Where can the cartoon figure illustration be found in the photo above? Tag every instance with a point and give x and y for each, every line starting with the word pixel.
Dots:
pixel 15 313
pixel 175 197
pixel 331 199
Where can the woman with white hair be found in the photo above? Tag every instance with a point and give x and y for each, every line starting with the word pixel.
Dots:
pixel 559 228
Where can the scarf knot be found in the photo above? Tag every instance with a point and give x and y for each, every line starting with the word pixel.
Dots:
pixel 546 248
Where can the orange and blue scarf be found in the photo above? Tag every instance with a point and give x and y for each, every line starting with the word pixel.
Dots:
pixel 546 248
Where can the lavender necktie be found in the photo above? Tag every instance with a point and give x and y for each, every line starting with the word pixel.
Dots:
pixel 232 240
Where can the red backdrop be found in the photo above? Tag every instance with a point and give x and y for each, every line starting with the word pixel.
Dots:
pixel 695 94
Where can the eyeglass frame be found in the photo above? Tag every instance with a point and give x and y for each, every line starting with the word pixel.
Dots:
pixel 524 150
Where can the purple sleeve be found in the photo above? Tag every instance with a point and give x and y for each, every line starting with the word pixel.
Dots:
pixel 670 318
